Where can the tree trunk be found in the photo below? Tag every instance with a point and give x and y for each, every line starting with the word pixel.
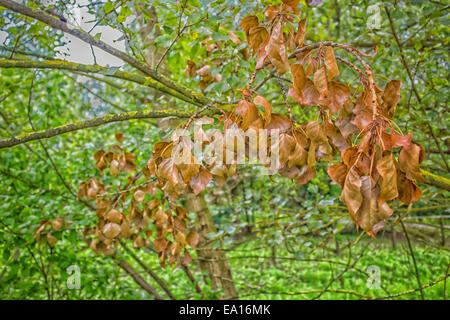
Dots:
pixel 211 260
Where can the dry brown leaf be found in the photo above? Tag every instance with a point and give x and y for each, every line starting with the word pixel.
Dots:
pixel 261 101
pixel 114 216
pixel 111 230
pixel 338 93
pixel 277 51
pixel 248 22
pixel 370 213
pixel 257 37
pixel 410 160
pixel 301 32
pixel 388 186
pixel 200 181
pixel 351 193
pixel 337 173
pixel 391 97
pixel 320 82
pixel 331 64
pixel 192 239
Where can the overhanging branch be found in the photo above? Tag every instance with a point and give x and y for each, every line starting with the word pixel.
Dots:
pixel 72 66
pixel 84 36
pixel 435 180
pixel 45 134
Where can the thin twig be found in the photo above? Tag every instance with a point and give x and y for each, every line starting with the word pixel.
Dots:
pixel 411 251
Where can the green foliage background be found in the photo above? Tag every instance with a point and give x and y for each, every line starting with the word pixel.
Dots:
pixel 291 226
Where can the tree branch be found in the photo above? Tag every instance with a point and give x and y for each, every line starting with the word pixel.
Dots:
pixel 138 279
pixel 84 36
pixel 435 180
pixel 148 270
pixel 44 134
pixel 71 66
pixel 411 251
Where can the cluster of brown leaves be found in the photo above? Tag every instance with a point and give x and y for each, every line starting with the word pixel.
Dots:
pixel 369 173
pixel 117 159
pixel 177 170
pixel 129 214
pixel 204 70
pixel 298 147
pixel 271 44
pixel 47 227
pixel 321 90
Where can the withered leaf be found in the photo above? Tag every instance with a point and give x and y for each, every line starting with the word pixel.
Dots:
pixel 114 168
pixel 248 111
pixel 388 186
pixel 301 32
pixel 370 213
pixel 410 160
pixel 298 156
pixel 337 138
pixel 138 242
pixel 169 171
pixel 200 180
pixel 187 258
pixel 160 244
pixel 291 3
pixel 338 93
pixel 398 140
pixel 160 217
pixel 330 63
pixel 277 51
pixel 261 101
pixel 280 122
pixel 125 230
pixel 286 144
pixel 180 239
pixel 248 22
pixel 189 169
pixel 306 174
pixel 299 79
pixel 391 96
pixel 57 223
pixel 337 173
pixel 257 37
pixel 316 132
pixel 290 173
pixel 139 195
pixel 408 191
pixel 114 216
pixel 320 82
pixel 192 239
pixel 362 120
pixel 119 137
pixel 309 94
pixel 51 240
pixel 351 193
pixel 271 12
pixel 111 230
pixel 234 38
